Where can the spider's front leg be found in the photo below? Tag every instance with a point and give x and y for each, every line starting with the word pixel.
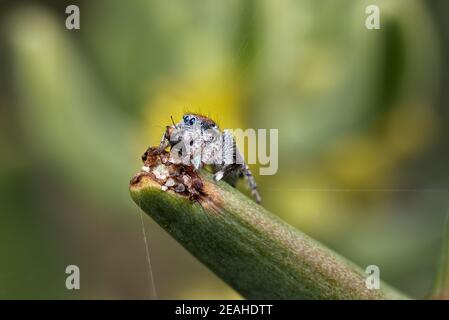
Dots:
pixel 165 142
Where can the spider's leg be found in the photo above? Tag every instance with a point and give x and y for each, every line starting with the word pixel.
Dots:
pixel 231 158
pixel 251 182
pixel 249 176
pixel 237 168
pixel 229 173
pixel 160 149
pixel 224 171
pixel 165 140
pixel 232 172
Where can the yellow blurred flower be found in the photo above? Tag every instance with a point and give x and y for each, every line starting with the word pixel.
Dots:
pixel 218 96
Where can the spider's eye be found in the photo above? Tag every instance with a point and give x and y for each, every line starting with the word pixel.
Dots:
pixel 192 121
pixel 186 119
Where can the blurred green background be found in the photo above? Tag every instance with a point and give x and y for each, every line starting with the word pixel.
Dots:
pixel 362 118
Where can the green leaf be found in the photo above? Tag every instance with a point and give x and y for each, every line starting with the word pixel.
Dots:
pixel 441 285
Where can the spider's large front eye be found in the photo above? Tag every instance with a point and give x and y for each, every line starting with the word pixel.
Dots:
pixel 186 119
pixel 192 121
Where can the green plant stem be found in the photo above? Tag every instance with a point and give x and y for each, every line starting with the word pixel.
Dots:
pixel 255 252
pixel 441 284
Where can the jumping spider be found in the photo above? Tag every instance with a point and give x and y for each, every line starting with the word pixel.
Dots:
pixel 197 141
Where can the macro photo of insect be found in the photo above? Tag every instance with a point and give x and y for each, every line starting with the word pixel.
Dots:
pixel 213 154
